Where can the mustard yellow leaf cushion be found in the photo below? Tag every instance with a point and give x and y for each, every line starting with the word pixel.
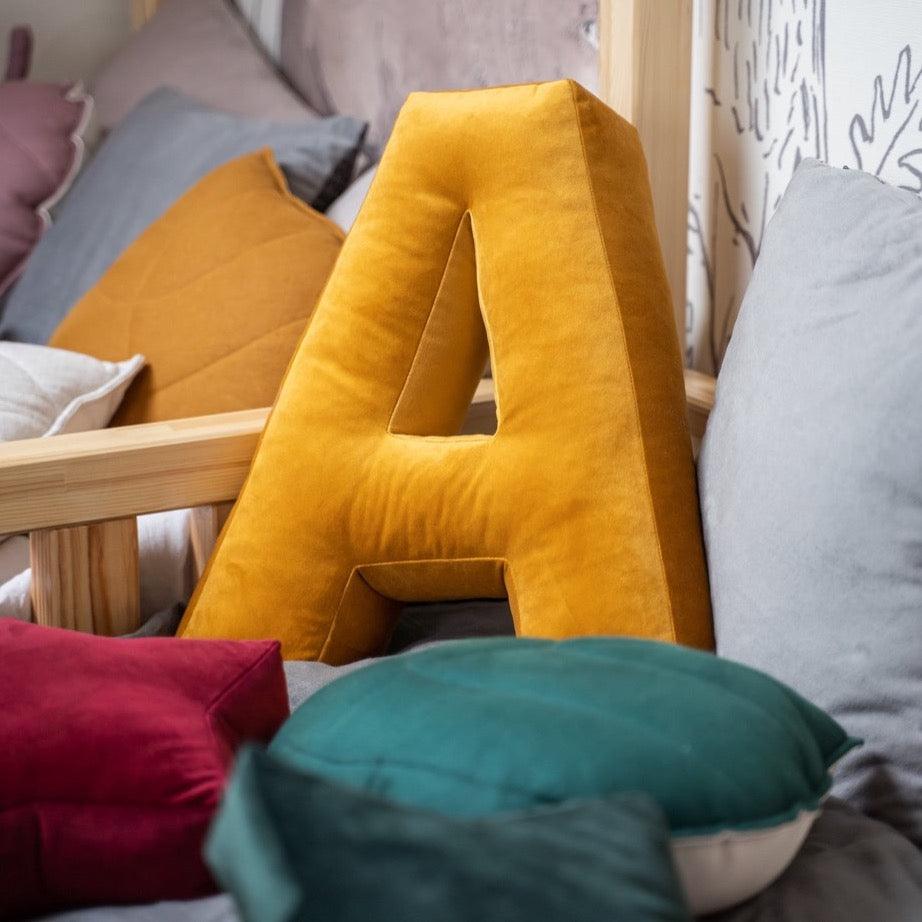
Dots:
pixel 530 204
pixel 216 294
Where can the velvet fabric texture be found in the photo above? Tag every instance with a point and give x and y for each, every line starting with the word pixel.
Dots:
pixel 215 294
pixel 531 205
pixel 291 847
pixel 113 758
pixel 738 762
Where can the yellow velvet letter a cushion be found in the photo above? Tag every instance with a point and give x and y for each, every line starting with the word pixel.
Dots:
pixel 215 294
pixel 531 205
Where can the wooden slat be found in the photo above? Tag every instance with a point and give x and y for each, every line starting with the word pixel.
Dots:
pixel 86 578
pixel 114 473
pixel 699 396
pixel 645 75
pixel 142 11
pixel 205 526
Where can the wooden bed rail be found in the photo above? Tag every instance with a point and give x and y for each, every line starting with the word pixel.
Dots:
pixel 78 497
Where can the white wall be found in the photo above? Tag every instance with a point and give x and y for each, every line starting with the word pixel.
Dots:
pixel 775 81
pixel 73 38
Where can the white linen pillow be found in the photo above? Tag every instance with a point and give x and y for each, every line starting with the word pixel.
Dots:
pixel 45 391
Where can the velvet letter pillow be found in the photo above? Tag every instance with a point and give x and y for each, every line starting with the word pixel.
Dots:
pixel 41 148
pixel 290 846
pixel 114 757
pixel 519 216
pixel 215 294
pixel 738 762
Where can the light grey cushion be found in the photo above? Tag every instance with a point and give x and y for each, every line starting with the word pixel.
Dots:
pixel 160 150
pixel 811 475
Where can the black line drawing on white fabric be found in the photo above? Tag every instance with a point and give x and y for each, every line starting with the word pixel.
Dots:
pixel 766 112
pixel 889 142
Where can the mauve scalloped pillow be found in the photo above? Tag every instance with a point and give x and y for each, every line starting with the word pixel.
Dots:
pixel 41 149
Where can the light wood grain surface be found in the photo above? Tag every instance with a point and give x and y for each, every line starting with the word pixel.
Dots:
pixel 645 73
pixel 113 473
pixel 142 11
pixel 86 578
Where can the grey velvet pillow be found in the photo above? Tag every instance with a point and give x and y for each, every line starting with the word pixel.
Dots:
pixel 160 150
pixel 811 475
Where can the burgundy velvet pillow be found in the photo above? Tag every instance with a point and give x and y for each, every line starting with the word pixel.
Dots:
pixel 41 148
pixel 113 757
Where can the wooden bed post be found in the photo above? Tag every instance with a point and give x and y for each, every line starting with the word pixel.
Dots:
pixel 86 577
pixel 142 11
pixel 645 71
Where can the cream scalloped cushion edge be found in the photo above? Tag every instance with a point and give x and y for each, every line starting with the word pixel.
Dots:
pixel 720 870
pixel 167 574
pixel 45 391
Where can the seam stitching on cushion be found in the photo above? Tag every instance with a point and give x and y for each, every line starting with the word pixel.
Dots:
pixel 285 190
pixel 495 370
pixel 513 596
pixel 135 364
pixel 429 316
pixel 357 571
pixel 212 713
pixel 77 95
pixel 222 266
pixel 300 322
pixel 237 679
pixel 630 367
pixel 354 572
pixel 620 719
pixel 745 834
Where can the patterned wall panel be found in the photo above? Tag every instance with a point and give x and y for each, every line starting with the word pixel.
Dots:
pixel 775 81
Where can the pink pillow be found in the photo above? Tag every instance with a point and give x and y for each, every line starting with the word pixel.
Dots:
pixel 41 149
pixel 113 757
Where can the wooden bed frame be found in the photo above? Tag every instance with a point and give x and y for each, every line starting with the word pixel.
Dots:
pixel 78 495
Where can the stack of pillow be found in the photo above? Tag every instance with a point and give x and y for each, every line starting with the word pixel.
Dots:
pixel 193 239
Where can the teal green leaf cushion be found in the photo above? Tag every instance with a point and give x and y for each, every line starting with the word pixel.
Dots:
pixel 738 762
pixel 290 846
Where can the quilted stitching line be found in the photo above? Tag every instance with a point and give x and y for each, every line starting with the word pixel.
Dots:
pixel 300 322
pixel 222 266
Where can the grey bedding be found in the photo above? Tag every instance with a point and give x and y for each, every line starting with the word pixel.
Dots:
pixel 850 869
